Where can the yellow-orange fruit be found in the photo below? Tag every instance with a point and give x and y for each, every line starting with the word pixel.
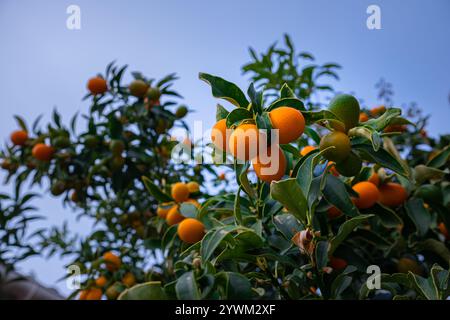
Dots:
pixel 244 142
pixel 290 123
pixel 193 187
pixel 180 192
pixel 375 179
pixel 407 264
pixel 94 294
pixel 129 279
pixel 219 135
pixel 368 194
pixel 138 88
pixel 191 230
pixel 174 216
pixel 270 168
pixel 83 294
pixel 42 152
pixel 163 210
pixel 363 117
pixel 112 261
pixel 221 176
pixel 395 128
pixel 392 194
pixel 97 85
pixel 19 137
pixel 377 110
pixel 333 213
pixel 101 281
pixel 307 150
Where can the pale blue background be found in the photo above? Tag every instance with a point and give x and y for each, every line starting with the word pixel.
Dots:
pixel 43 64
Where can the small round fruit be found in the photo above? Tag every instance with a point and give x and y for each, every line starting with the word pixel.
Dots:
pixel 153 93
pixel 97 85
pixel 117 147
pixel 19 137
pixel 407 264
pixel 363 117
pixel 129 279
pixel 61 142
pixel 219 135
pixel 333 213
pixel 91 141
pixel 180 192
pixel 350 166
pixel 138 88
pixel 443 230
pixel 83 294
pixel 163 210
pixel 221 176
pixel 346 108
pixel 112 261
pixel 368 194
pixel 101 281
pixel 117 163
pixel 174 216
pixel 338 263
pixel 377 110
pixel 193 187
pixel 341 144
pixel 392 194
pixel 289 122
pixel 191 230
pixel 94 294
pixel 57 188
pixel 270 168
pixel 113 291
pixel 42 152
pixel 307 150
pixel 244 142
pixel 181 112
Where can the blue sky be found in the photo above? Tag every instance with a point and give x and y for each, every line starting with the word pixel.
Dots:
pixel 43 64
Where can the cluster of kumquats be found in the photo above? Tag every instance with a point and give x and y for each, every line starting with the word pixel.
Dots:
pixel 111 281
pixel 190 230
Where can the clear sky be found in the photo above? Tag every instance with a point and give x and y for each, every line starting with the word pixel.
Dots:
pixel 43 64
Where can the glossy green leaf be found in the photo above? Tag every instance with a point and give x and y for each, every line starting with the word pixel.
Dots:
pixel 345 229
pixel 154 190
pixel 225 90
pixel 290 195
pixel 187 288
pixel 144 291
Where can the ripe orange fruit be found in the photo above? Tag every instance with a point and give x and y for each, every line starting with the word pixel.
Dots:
pixel 180 192
pixel 138 88
pixel 333 213
pixel 341 144
pixel 219 135
pixel 83 294
pixel 407 264
pixel 129 279
pixel 392 194
pixel 377 110
pixel 289 122
pixel 375 179
pixel 269 168
pixel 94 294
pixel 338 263
pixel 42 152
pixel 307 150
pixel 97 85
pixel 101 281
pixel 368 194
pixel 174 216
pixel 191 230
pixel 193 187
pixel 443 230
pixel 395 128
pixel 363 117
pixel 222 176
pixel 112 261
pixel 163 210
pixel 244 142
pixel 19 137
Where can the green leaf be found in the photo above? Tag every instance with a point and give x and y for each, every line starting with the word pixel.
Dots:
pixel 145 291
pixel 425 287
pixel 381 157
pixel 225 90
pixel 322 254
pixel 305 172
pixel 435 246
pixel 256 99
pixel 290 195
pixel 188 210
pixel 287 224
pixel 21 123
pixel 419 215
pixel 423 173
pixel 186 287
pixel 237 207
pixel 287 102
pixel 439 159
pixel 369 133
pixel 213 239
pixel 345 229
pixel 236 116
pixel 234 286
pixel 387 216
pixel 312 134
pixel 155 191
pixel 286 92
pixel 221 113
pixel 335 192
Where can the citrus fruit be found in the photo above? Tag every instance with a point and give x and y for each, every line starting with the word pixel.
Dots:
pixel 174 216
pixel 333 213
pixel 129 279
pixel 19 137
pixel 219 135
pixel 97 85
pixel 153 93
pixel 163 209
pixel 374 178
pixel 244 142
pixel 270 168
pixel 42 152
pixel 346 108
pixel 193 187
pixel 405 265
pixel 307 150
pixel 363 117
pixel 94 294
pixel 392 194
pixel 138 88
pixel 191 230
pixel 180 192
pixel 181 112
pixel 101 281
pixel 289 122
pixel 112 261
pixel 368 194
pixel 340 143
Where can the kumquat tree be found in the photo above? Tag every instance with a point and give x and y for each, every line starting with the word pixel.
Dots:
pixel 323 198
